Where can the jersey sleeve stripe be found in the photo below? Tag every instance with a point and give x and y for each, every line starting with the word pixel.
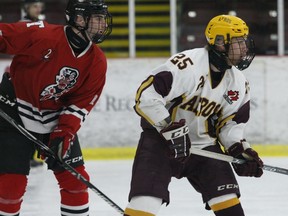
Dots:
pixel 76 111
pixel 147 83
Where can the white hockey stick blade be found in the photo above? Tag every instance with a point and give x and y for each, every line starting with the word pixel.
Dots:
pixel 231 159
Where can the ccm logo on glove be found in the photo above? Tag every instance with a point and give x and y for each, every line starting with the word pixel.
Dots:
pixel 176 135
pixel 168 135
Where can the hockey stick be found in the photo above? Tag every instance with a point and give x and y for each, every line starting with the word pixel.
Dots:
pixel 66 166
pixel 231 159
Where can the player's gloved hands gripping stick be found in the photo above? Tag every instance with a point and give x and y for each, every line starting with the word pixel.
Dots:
pixel 60 143
pixel 252 166
pixel 177 138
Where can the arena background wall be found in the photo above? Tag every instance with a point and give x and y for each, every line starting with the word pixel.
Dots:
pixel 112 128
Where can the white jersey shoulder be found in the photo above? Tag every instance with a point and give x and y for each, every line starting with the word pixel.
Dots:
pixel 186 68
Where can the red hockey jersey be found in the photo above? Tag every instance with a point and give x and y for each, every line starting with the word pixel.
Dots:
pixel 53 86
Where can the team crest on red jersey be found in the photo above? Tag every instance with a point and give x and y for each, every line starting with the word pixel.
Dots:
pixel 65 80
pixel 231 96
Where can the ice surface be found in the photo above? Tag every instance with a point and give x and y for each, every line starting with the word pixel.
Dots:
pixel 266 196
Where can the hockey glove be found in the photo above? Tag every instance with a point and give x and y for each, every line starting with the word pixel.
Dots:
pixel 252 166
pixel 60 143
pixel 176 135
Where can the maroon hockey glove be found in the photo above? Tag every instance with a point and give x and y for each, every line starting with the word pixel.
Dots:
pixel 252 166
pixel 60 142
pixel 177 138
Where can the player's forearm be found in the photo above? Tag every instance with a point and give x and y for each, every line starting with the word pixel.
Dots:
pixel 71 119
pixel 231 134
pixel 153 112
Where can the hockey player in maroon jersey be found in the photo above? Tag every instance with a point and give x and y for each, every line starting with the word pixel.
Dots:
pixel 197 98
pixel 56 77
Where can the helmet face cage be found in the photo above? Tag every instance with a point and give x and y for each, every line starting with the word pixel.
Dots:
pixel 241 52
pixel 98 21
pixel 99 27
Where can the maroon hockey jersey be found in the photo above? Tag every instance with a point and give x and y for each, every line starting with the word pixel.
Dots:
pixel 53 86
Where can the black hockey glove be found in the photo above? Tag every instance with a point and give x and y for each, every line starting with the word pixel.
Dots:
pixel 252 166
pixel 176 135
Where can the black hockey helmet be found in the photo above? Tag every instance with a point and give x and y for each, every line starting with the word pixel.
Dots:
pixel 87 9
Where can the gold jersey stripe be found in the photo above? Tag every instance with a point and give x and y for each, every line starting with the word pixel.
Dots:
pixel 148 82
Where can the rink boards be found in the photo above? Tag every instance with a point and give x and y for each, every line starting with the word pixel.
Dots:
pixel 113 153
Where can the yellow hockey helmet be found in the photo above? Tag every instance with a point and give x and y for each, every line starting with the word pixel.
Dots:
pixel 225 27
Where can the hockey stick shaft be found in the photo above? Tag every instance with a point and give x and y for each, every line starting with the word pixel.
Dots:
pixel 66 166
pixel 231 159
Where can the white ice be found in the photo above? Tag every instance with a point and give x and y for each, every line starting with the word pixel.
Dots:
pixel 265 196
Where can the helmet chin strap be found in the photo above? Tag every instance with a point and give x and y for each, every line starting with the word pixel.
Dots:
pixel 77 43
pixel 85 35
pixel 218 59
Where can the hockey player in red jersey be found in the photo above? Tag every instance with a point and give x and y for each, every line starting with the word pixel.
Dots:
pixel 56 77
pixel 198 98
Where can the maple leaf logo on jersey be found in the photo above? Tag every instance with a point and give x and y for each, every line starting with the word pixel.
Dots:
pixel 231 96
pixel 65 80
